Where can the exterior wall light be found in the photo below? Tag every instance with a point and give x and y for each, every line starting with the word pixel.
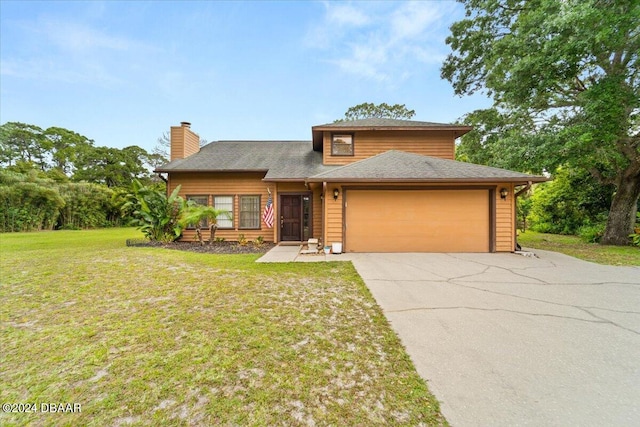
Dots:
pixel 336 193
pixel 504 193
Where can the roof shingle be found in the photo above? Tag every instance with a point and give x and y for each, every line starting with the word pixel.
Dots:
pixel 279 159
pixel 399 166
pixel 296 160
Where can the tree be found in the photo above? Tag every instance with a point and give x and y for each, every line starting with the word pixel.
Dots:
pixel 110 166
pixel 161 152
pixel 20 142
pixel 156 215
pixel 370 110
pixel 195 214
pixel 571 68
pixel 66 147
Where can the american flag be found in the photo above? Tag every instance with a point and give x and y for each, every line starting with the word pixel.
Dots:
pixel 267 216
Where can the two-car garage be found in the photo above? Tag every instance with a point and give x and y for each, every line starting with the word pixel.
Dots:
pixel 431 220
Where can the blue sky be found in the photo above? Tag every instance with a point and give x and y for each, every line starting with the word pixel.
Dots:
pixel 121 73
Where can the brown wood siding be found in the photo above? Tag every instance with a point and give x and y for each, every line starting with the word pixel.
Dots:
pixel 417 221
pixel 505 220
pixel 227 184
pixel 370 143
pixel 333 214
pixel 184 142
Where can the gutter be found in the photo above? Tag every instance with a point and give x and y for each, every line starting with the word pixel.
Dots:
pixel 526 188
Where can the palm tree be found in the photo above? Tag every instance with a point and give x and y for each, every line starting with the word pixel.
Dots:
pixel 195 214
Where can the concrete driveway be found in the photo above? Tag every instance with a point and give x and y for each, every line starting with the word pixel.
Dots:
pixel 507 340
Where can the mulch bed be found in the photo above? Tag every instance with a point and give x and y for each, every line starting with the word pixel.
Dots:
pixel 215 248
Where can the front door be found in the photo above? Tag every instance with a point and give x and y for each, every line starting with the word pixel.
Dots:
pixel 291 218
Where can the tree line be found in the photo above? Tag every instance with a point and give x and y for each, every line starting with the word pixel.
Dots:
pixel 563 75
pixel 55 178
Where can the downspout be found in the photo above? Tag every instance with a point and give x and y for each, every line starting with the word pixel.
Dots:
pixel 515 201
pixel 526 188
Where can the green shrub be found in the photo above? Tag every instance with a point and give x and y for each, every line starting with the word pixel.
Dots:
pixel 86 206
pixel 572 200
pixel 592 233
pixel 635 236
pixel 155 214
pixel 28 206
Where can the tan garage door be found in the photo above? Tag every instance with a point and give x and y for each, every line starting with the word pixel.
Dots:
pixel 417 221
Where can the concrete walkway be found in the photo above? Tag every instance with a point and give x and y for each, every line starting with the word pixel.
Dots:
pixel 507 340
pixel 290 253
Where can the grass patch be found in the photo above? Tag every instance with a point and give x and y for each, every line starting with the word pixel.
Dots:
pixel 145 336
pixel 574 246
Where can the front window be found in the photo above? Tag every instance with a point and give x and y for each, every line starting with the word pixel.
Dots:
pixel 202 201
pixel 250 212
pixel 224 203
pixel 342 145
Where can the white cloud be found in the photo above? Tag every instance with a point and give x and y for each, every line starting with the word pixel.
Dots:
pixel 414 19
pixel 80 38
pixel 70 52
pixel 380 40
pixel 345 14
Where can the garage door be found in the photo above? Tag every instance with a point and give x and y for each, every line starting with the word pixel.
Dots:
pixel 417 221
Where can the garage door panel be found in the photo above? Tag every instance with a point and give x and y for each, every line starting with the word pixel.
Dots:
pixel 417 221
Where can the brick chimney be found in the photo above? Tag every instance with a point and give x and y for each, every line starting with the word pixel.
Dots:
pixel 184 142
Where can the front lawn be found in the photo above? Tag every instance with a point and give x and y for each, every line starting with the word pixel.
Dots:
pixel 574 246
pixel 148 336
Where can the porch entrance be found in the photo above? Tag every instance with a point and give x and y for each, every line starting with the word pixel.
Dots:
pixel 295 217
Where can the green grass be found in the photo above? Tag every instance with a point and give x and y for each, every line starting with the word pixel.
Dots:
pixel 574 246
pixel 147 336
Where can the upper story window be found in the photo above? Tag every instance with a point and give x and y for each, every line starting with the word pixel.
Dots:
pixel 342 145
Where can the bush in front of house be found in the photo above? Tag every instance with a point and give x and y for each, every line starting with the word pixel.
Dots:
pixel 155 214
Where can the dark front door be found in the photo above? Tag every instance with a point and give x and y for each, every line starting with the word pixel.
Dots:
pixel 290 218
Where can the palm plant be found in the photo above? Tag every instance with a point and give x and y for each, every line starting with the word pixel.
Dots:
pixel 155 214
pixel 195 214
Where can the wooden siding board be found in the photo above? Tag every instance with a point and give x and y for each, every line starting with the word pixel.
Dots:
pixel 370 143
pixel 505 239
pixel 235 184
pixel 184 142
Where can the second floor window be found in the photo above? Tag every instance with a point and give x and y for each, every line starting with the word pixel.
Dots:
pixel 342 145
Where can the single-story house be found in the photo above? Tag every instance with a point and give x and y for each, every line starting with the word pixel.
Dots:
pixel 371 185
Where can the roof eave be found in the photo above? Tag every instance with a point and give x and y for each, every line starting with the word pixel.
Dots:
pixel 276 179
pixel 515 180
pixel 211 170
pixel 320 128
